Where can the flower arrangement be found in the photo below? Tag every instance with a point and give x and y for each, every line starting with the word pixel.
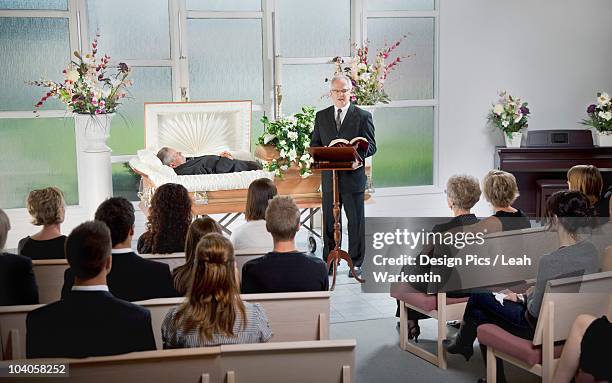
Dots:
pixel 600 114
pixel 369 79
pixel 509 114
pixel 88 87
pixel 291 137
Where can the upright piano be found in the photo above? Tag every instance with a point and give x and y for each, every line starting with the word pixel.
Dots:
pixel 540 171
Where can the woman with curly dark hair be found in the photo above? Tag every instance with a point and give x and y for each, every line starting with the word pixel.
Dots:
pixel 169 220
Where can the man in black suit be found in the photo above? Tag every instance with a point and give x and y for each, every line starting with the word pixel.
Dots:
pixel 88 321
pixel 17 282
pixel 132 278
pixel 210 164
pixel 344 120
pixel 284 269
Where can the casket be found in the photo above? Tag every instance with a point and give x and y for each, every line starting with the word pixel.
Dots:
pixel 209 128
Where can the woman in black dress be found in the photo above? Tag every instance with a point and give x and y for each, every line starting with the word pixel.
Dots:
pixel 47 208
pixel 500 190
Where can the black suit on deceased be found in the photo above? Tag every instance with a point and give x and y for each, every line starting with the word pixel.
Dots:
pixel 88 323
pixel 351 183
pixel 214 165
pixel 133 278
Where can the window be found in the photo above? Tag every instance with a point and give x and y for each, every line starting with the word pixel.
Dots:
pixel 213 50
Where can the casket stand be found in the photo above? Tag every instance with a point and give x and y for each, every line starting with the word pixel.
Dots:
pixel 202 128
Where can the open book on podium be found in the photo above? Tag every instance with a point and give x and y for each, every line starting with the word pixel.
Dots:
pixel 341 154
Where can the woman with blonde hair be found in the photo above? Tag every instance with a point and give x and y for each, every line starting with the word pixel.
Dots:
pixel 47 208
pixel 587 179
pixel 198 228
pixel 500 190
pixel 213 312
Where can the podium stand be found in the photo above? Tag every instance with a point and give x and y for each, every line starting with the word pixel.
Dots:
pixel 337 159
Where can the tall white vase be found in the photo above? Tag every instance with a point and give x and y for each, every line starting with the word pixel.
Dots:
pixel 514 141
pixel 94 159
pixel 603 139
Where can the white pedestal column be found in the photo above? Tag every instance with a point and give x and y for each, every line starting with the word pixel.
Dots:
pixel 93 160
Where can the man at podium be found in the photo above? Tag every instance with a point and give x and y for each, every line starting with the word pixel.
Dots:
pixel 344 120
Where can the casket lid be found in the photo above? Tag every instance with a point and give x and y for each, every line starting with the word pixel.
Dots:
pixel 198 128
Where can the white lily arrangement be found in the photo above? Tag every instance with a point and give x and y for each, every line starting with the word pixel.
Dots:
pixel 509 114
pixel 291 137
pixel 600 114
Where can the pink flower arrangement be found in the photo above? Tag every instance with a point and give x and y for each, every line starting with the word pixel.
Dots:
pixel 369 79
pixel 88 86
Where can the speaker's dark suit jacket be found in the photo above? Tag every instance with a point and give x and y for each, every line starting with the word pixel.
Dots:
pixel 88 323
pixel 356 123
pixel 133 278
pixel 351 183
pixel 17 282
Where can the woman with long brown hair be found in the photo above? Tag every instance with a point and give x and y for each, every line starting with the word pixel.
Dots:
pixel 213 312
pixel 253 235
pixel 587 179
pixel 169 219
pixel 198 228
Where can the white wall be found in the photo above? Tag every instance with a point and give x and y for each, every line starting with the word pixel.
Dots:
pixel 556 54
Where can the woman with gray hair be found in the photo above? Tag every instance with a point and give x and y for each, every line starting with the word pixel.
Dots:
pixel 17 282
pixel 462 193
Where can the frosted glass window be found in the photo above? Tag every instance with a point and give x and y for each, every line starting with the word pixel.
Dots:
pixel 400 5
pixel 134 29
pixel 224 5
pixel 256 128
pixel 404 142
pixel 305 85
pixel 34 4
pixel 125 182
pixel 32 48
pixel 225 59
pixel 413 78
pixel 151 84
pixel 37 152
pixel 316 28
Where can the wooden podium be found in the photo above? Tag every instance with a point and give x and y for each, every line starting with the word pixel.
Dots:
pixel 337 159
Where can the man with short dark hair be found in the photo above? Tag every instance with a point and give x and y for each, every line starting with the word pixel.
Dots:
pixel 132 278
pixel 284 269
pixel 89 320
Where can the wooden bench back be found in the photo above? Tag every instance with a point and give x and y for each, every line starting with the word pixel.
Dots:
pixel 331 361
pixel 292 317
pixel 567 298
pixel 533 242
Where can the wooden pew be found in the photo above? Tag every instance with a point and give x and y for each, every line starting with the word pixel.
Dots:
pixel 49 273
pixel 296 362
pixel 292 316
pixel 534 242
pixel 327 361
pixel 563 301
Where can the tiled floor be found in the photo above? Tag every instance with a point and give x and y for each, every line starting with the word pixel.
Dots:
pixel 349 304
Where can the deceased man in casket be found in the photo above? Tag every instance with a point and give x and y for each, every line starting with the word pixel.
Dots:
pixel 209 164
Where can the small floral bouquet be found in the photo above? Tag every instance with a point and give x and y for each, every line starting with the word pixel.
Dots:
pixel 291 137
pixel 88 87
pixel 369 79
pixel 509 114
pixel 600 114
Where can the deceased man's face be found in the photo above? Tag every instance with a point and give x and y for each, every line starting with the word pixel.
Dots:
pixel 177 158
